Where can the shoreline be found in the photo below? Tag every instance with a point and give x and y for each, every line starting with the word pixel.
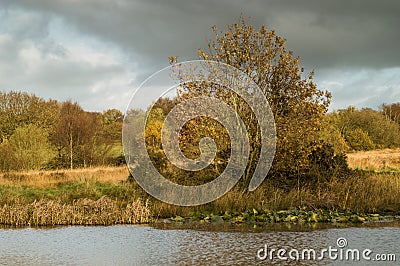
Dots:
pixel 106 196
pixel 107 212
pixel 168 224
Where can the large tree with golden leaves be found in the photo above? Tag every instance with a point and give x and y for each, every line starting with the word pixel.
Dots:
pixel 298 105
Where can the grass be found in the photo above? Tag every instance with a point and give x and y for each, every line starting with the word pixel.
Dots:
pixel 103 211
pixel 368 193
pixel 93 196
pixel 44 179
pixel 387 159
pixel 104 196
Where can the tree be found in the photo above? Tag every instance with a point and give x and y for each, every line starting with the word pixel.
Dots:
pixel 366 125
pixel 109 149
pixel 332 136
pixel 18 109
pixel 392 111
pixel 298 105
pixel 111 116
pixel 31 148
pixel 359 140
pixel 7 158
pixel 75 134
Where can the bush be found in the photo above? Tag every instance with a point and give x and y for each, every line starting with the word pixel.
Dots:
pixel 325 164
pixel 30 148
pixel 366 129
pixel 359 140
pixel 6 157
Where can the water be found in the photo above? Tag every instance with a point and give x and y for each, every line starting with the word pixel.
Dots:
pixel 170 245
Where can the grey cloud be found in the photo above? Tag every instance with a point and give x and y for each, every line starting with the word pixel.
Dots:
pixel 50 70
pixel 328 35
pixel 324 33
pixel 24 25
pixel 363 88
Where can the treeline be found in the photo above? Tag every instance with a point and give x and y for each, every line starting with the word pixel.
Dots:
pixel 48 134
pixel 364 129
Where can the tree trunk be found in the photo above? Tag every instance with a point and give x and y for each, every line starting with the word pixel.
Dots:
pixel 71 150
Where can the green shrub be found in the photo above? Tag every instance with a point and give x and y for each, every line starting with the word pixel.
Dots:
pixel 359 140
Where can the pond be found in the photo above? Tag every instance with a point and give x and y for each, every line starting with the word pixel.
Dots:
pixel 199 245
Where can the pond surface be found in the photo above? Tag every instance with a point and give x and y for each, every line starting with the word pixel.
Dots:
pixel 197 245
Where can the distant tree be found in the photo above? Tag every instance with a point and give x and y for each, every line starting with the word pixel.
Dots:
pixel 81 138
pixel 332 136
pixel 359 140
pixel 109 148
pixel 74 134
pixel 20 108
pixel 31 148
pixel 7 158
pixel 392 111
pixel 366 124
pixel 111 116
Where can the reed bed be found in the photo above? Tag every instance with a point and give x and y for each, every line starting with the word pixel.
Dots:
pixel 103 211
pixel 363 193
pixel 103 196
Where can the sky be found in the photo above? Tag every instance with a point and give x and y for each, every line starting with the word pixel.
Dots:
pixel 97 52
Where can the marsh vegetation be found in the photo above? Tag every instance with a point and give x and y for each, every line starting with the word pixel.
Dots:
pixel 324 162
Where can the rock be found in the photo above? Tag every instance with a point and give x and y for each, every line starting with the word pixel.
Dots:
pixel 217 219
pixel 342 219
pixel 178 219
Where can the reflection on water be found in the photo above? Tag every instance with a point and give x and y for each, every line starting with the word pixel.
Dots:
pixel 161 245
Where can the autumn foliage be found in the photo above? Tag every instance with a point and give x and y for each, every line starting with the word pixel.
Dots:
pixel 47 134
pixel 299 107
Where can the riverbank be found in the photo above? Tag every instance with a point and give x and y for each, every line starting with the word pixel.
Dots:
pixel 104 196
pixel 93 196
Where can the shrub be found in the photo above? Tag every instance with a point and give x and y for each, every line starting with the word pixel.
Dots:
pixel 359 140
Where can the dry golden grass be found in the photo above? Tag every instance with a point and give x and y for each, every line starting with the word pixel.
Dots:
pixel 103 211
pixel 374 160
pixel 97 196
pixel 45 179
pixel 370 193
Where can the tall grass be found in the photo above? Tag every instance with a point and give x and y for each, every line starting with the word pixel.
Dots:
pixel 43 179
pixel 362 193
pixel 103 196
pixel 375 160
pixel 103 211
pixel 93 196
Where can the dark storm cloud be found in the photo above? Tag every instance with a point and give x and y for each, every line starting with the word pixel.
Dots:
pixel 352 45
pixel 323 33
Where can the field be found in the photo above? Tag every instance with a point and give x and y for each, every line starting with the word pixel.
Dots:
pixel 104 195
pixel 46 179
pixel 92 196
pixel 375 160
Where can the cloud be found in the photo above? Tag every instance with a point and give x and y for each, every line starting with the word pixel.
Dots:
pixel 62 48
pixel 325 33
pixel 362 88
pixel 33 61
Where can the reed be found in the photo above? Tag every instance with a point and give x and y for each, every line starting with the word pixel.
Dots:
pixel 103 211
pixel 361 193
pixel 103 196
